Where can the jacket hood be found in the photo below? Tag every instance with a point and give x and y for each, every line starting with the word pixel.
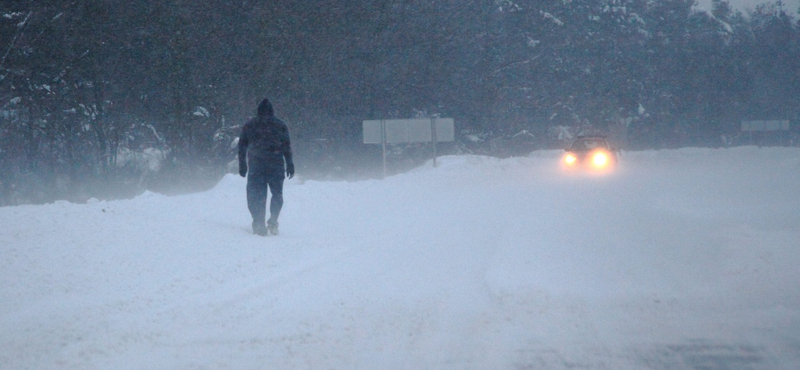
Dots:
pixel 265 108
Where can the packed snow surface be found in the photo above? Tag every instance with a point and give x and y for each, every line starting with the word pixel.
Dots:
pixel 681 259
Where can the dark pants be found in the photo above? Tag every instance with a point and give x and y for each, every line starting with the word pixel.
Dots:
pixel 257 184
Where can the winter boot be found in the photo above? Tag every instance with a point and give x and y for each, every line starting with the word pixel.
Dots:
pixel 259 229
pixel 273 229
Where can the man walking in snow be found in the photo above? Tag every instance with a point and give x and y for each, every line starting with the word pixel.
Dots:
pixel 264 148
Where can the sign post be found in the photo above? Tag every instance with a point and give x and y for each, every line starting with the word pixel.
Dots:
pixel 433 140
pixel 383 144
pixel 398 131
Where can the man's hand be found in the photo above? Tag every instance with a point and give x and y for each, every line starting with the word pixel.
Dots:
pixel 242 170
pixel 290 170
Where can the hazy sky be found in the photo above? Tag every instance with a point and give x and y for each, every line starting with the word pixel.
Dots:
pixel 791 5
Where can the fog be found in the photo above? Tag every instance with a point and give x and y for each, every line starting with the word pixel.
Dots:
pixel 679 259
pixel 85 86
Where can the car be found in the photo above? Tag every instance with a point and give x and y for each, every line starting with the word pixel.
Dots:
pixel 590 153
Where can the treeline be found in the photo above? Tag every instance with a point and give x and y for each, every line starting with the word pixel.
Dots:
pixel 105 98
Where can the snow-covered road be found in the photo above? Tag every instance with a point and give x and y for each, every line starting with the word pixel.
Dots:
pixel 683 259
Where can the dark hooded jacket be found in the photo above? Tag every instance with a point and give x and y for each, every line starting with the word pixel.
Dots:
pixel 264 144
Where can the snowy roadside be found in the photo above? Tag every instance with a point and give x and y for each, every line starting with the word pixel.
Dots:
pixel 684 259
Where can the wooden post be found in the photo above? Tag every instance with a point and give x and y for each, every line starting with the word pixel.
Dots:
pixel 433 139
pixel 383 143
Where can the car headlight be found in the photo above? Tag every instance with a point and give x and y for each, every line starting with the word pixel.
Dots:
pixel 600 159
pixel 570 159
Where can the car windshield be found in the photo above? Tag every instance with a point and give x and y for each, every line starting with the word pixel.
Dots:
pixel 587 144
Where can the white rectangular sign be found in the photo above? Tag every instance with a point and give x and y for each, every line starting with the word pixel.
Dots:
pixel 373 133
pixel 445 129
pixel 408 130
pixel 419 131
pixel 782 125
pixel 396 131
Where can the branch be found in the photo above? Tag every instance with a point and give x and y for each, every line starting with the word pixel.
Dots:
pixel 514 64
